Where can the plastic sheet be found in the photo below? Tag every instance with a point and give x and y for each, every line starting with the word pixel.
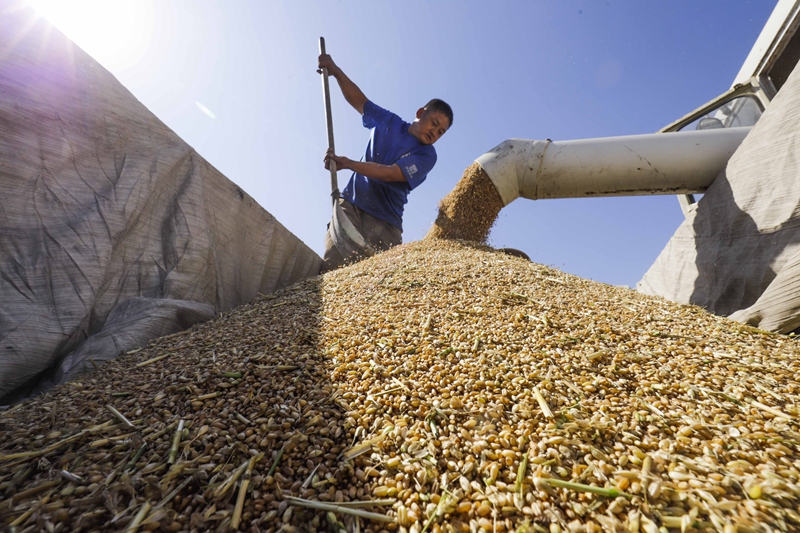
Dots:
pixel 740 249
pixel 112 229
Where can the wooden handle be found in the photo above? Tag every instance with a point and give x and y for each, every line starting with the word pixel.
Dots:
pixel 326 95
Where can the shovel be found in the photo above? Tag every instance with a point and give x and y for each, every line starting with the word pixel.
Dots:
pixel 346 237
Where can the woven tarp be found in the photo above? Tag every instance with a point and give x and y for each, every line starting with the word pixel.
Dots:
pixel 740 249
pixel 113 230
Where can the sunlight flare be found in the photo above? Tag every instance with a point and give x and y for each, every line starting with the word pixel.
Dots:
pixel 113 32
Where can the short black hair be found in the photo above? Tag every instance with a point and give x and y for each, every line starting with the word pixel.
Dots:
pixel 443 107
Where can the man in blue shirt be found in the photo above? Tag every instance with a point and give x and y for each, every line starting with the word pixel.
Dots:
pixel 397 160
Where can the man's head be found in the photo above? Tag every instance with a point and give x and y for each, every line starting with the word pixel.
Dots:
pixel 432 121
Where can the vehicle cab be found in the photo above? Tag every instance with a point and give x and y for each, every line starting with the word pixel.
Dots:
pixel 766 69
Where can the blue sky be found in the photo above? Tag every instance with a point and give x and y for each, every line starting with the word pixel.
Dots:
pixel 237 81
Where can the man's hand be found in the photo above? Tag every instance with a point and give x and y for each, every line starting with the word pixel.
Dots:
pixel 342 163
pixel 326 61
pixel 376 171
pixel 350 90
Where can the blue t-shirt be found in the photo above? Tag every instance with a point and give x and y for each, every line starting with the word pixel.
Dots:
pixel 389 143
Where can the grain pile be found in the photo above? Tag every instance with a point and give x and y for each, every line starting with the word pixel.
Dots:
pixel 457 388
pixel 469 211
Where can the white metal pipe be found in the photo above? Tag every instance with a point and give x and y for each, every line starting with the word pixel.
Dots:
pixel 656 163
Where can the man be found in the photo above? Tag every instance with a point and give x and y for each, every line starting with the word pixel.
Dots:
pixel 398 158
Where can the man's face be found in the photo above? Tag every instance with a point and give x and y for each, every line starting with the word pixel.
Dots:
pixel 429 126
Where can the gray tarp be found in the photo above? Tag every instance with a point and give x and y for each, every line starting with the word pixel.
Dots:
pixel 740 249
pixel 113 230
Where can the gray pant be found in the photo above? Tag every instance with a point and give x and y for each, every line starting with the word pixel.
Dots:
pixel 379 234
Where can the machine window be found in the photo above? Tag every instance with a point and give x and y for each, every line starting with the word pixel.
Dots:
pixel 739 112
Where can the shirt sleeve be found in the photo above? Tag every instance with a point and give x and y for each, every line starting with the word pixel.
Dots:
pixel 416 164
pixel 374 115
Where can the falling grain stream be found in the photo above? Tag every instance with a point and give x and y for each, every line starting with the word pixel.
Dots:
pixel 469 211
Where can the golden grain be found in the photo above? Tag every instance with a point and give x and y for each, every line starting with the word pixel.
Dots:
pixel 333 392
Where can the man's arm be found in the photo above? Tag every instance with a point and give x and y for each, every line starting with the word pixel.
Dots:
pixel 350 90
pixel 375 171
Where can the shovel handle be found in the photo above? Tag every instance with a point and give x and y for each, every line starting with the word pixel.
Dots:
pixel 326 94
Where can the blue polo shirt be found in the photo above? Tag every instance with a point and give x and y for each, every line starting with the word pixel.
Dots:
pixel 389 143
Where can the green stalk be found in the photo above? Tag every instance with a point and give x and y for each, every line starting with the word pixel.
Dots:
pixel 275 463
pixel 176 440
pixel 137 520
pixel 136 457
pixel 580 487
pixel 523 468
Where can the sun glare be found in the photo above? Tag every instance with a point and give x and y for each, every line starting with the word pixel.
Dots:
pixel 114 32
